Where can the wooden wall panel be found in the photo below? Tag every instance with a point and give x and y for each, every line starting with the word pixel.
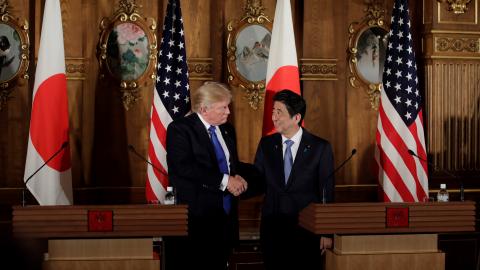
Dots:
pixel 452 52
pixel 454 123
pixel 101 129
pixel 326 96
pixel 13 124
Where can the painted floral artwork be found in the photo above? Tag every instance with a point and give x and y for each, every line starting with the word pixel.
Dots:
pixel 127 51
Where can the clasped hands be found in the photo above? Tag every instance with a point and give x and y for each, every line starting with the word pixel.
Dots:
pixel 236 185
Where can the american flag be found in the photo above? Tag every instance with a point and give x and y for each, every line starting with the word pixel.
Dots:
pixel 400 125
pixel 171 98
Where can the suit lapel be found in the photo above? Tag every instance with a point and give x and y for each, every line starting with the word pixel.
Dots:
pixel 204 137
pixel 277 151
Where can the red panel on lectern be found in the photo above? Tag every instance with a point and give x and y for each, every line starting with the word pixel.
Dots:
pixel 100 221
pixel 397 217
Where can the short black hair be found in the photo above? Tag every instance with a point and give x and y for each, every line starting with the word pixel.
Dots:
pixel 293 102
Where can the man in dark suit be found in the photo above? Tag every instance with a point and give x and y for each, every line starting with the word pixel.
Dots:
pixel 203 168
pixel 296 169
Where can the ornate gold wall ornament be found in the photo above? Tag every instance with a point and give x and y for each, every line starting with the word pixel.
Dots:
pixel 14 52
pixel 200 69
pixel 127 50
pixel 367 47
pixel 248 46
pixel 457 6
pixel 457 44
pixel 254 8
pixel 318 69
pixel 73 68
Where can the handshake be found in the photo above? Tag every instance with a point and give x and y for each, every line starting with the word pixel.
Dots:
pixel 236 185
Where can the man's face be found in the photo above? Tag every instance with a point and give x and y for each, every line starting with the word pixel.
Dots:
pixel 217 113
pixel 284 124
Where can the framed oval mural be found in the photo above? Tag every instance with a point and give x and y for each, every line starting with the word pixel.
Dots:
pixel 367 47
pixel 248 46
pixel 127 50
pixel 14 52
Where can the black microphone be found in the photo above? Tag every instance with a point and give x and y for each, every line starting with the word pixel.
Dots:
pixel 132 149
pixel 438 169
pixel 63 146
pixel 354 151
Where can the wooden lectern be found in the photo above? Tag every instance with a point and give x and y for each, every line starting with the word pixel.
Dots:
pixel 387 235
pixel 100 236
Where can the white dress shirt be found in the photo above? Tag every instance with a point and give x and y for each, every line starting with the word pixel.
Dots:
pixel 296 143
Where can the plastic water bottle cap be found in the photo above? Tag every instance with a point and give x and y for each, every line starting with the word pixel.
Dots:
pixel 443 186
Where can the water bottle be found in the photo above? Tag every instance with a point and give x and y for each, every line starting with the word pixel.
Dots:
pixel 169 196
pixel 442 195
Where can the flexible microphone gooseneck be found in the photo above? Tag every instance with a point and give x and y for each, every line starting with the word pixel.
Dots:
pixel 63 146
pixel 132 149
pixel 462 195
pixel 354 151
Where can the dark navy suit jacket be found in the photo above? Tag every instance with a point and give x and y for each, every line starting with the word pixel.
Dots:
pixel 193 169
pixel 308 178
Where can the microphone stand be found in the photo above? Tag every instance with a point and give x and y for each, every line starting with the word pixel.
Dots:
pixel 132 149
pixel 462 196
pixel 64 144
pixel 354 151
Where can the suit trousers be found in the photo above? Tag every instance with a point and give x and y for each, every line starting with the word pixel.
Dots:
pixel 286 245
pixel 207 246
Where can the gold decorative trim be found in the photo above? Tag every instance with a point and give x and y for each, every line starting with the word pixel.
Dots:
pixel 444 44
pixel 253 16
pixel 128 12
pixel 200 69
pixel 454 57
pixel 457 6
pixel 76 68
pixel 72 68
pixel 453 32
pixel 439 20
pixel 318 69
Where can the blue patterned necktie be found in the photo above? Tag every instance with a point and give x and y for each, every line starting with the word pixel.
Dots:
pixel 222 164
pixel 288 159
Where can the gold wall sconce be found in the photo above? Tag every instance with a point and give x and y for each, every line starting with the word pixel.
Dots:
pixel 457 6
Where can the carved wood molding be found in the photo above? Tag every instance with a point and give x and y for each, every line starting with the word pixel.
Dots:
pixel 450 45
pixel 200 69
pixel 76 68
pixel 457 44
pixel 312 69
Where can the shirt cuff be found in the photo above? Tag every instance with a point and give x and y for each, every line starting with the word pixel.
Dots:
pixel 224 183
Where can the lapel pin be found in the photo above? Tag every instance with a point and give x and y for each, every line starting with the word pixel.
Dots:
pixel 306 148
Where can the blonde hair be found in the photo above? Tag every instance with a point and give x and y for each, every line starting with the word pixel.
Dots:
pixel 209 93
